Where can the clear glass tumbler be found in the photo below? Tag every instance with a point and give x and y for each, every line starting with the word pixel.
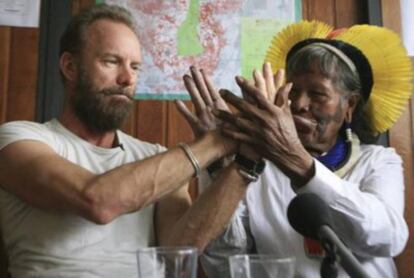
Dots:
pixel 261 266
pixel 163 262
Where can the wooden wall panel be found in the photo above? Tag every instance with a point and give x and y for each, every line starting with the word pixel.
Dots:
pixel 391 15
pixel 411 127
pixel 4 70
pixel 338 13
pixel 18 73
pixel 23 74
pixel 323 10
pixel 401 138
pixel 151 121
pixel 349 12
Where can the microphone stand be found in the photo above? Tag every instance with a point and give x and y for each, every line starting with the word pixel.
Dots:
pixel 333 245
pixel 329 265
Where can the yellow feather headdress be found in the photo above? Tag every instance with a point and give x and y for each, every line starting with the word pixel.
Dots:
pixel 388 60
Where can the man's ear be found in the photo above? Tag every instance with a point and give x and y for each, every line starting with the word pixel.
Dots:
pixel 68 66
pixel 352 104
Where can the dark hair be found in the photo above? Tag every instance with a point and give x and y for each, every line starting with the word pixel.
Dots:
pixel 73 38
pixel 331 66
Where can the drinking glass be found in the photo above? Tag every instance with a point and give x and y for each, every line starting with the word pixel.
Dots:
pixel 163 262
pixel 261 266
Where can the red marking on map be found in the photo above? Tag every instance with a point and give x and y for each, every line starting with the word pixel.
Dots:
pixel 158 22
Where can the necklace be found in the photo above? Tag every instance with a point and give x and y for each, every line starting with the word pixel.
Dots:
pixel 336 156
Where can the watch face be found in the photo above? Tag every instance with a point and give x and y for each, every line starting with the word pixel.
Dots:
pixel 261 164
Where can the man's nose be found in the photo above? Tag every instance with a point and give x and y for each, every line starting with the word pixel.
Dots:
pixel 126 77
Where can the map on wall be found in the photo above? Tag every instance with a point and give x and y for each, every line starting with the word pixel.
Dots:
pixel 223 37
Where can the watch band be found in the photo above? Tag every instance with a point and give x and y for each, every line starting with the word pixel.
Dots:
pixel 247 176
pixel 248 168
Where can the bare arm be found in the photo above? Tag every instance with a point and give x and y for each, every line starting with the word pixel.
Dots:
pixel 35 173
pixel 207 217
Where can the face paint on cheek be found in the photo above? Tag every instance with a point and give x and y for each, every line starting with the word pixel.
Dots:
pixel 325 120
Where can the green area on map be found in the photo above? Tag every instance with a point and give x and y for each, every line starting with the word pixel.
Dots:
pixel 188 42
pixel 256 35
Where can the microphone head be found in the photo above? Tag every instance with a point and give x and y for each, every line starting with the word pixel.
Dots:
pixel 307 213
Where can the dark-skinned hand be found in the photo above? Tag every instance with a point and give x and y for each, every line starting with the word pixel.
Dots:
pixel 265 122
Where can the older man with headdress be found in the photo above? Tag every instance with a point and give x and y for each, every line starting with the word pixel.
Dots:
pixel 316 134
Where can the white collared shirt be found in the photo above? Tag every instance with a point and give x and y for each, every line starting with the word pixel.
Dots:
pixel 367 205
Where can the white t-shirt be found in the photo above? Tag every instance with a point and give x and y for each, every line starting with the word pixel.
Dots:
pixel 366 202
pixel 42 243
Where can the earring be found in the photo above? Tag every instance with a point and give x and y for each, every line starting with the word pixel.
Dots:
pixel 348 133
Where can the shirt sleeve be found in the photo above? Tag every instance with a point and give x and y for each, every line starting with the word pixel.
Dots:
pixel 22 130
pixel 236 239
pixel 368 214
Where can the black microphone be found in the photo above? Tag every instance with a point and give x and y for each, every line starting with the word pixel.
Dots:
pixel 310 216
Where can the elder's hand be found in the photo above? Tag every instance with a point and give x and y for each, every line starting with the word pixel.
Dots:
pixel 268 127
